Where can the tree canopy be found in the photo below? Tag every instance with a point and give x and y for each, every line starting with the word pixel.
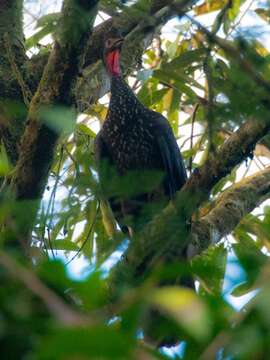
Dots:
pixel 205 66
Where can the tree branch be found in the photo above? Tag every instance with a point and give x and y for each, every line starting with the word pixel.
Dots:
pixel 230 208
pixel 11 36
pixel 235 149
pixel 166 237
pixel 39 140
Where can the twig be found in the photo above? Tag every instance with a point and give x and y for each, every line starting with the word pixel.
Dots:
pixel 236 55
pixel 220 17
pixel 188 139
pixel 239 20
pixel 192 135
pixel 256 163
pixel 50 207
pixel 87 236
pixel 247 170
pixel 260 161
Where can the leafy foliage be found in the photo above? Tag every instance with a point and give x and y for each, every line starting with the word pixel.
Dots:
pixel 206 95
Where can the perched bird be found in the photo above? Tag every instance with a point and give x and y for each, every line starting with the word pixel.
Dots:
pixel 140 146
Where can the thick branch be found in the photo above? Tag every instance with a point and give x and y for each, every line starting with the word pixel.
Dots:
pixel 11 43
pixel 169 230
pixel 230 208
pixel 235 149
pixel 39 140
pixel 166 237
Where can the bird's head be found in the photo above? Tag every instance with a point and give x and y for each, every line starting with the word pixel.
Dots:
pixel 111 56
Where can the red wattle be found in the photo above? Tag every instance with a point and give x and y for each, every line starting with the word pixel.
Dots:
pixel 113 62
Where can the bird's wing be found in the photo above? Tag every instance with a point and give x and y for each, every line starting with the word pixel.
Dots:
pixel 104 166
pixel 102 154
pixel 175 172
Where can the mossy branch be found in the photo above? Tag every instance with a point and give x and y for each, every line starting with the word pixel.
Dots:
pixel 235 149
pixel 167 236
pixel 39 140
pixel 11 75
pixel 230 208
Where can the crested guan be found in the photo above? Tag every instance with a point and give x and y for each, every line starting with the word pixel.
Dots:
pixel 137 142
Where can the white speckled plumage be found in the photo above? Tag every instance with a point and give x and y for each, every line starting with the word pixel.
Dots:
pixel 136 138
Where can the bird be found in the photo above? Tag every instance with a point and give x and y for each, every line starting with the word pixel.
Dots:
pixel 135 146
pixel 139 164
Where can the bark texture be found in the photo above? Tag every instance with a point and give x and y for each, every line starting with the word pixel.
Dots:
pixel 230 208
pixel 12 57
pixel 39 139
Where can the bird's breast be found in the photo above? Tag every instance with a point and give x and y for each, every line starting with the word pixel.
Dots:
pixel 132 147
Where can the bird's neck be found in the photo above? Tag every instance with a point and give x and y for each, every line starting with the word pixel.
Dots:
pixel 123 101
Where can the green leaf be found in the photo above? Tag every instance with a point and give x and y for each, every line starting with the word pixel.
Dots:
pixel 220 185
pixel 209 6
pixel 234 9
pixel 185 307
pixel 5 166
pixel 93 291
pixel 59 118
pixel 99 342
pixel 210 268
pixel 61 244
pixel 48 24
pixel 53 273
pixel 258 227
pixel 249 255
pixel 186 59
pixel 85 130
pixel 242 289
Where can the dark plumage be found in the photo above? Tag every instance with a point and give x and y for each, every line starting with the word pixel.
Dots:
pixel 135 139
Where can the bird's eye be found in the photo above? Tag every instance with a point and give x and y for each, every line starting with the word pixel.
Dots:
pixel 108 43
